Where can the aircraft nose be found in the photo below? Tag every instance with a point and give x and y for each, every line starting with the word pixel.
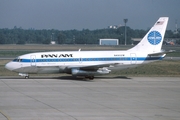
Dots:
pixel 9 66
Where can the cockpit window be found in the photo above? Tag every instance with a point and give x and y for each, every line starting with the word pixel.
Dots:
pixel 17 60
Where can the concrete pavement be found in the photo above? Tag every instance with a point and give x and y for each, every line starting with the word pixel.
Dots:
pixel 104 98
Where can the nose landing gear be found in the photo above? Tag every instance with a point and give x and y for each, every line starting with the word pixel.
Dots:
pixel 24 75
pixel 27 77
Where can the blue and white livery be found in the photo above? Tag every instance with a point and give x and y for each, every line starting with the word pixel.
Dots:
pixel 91 63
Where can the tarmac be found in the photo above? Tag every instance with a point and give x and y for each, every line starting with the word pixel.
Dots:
pixel 104 98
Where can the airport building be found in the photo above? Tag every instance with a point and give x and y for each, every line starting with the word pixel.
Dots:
pixel 108 41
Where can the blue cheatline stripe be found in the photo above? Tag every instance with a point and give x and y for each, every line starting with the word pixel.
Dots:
pixel 93 59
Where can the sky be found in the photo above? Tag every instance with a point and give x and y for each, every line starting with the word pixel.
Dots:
pixel 87 14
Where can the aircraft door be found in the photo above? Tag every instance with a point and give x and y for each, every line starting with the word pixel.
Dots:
pixel 133 58
pixel 33 60
pixel 80 60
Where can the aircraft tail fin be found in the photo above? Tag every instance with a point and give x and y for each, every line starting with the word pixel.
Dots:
pixel 152 41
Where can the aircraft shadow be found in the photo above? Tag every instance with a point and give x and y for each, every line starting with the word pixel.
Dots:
pixel 67 77
pixel 86 79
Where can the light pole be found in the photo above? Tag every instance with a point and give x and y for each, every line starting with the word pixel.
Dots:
pixel 52 39
pixel 125 21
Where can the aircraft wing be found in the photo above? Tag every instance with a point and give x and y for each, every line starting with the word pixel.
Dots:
pixel 90 70
pixel 93 67
pixel 96 67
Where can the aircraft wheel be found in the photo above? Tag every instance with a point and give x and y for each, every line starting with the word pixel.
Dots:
pixel 91 77
pixel 26 77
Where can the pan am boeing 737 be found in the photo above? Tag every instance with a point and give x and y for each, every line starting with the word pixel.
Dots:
pixel 91 63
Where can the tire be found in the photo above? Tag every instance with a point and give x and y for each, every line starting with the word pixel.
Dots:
pixel 91 77
pixel 26 77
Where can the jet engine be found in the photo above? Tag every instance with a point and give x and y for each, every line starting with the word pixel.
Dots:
pixel 100 71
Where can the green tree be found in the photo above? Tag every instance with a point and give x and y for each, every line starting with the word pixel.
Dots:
pixel 47 41
pixel 2 39
pixel 21 42
pixel 61 38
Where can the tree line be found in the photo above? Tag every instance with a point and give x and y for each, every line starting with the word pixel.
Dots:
pixel 85 36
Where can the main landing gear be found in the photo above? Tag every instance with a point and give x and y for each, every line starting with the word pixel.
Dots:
pixel 85 77
pixel 26 76
pixel 90 77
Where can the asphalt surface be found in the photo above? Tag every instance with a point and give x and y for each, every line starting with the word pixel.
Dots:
pixel 104 98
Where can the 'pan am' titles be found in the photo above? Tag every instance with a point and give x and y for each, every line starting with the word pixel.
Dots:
pixel 56 55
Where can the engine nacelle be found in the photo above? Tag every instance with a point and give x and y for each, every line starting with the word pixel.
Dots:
pixel 89 73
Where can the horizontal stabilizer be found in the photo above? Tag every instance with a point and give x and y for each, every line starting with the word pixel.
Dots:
pixel 161 53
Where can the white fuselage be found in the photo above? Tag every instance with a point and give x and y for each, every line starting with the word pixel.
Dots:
pixel 58 62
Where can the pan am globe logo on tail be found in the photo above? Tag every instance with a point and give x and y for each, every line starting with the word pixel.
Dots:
pixel 154 37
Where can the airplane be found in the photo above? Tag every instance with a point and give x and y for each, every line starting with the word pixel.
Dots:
pixel 91 63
